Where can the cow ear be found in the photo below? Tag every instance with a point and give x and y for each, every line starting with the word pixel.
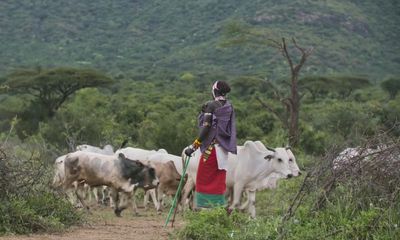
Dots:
pixel 288 147
pixel 269 157
pixel 121 156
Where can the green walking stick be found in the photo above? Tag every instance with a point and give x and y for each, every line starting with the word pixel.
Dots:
pixel 177 192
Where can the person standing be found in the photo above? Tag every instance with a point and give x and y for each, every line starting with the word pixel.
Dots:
pixel 217 138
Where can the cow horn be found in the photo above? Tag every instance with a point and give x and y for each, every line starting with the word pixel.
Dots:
pixel 271 149
pixel 123 144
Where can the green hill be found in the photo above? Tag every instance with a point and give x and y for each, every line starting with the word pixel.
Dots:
pixel 148 37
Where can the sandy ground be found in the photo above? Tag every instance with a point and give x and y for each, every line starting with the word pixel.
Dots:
pixel 102 225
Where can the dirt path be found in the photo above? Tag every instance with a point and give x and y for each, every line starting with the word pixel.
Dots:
pixel 102 225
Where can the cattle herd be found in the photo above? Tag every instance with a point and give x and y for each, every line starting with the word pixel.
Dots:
pixel 115 176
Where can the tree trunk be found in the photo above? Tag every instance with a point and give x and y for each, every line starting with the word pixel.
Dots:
pixel 294 112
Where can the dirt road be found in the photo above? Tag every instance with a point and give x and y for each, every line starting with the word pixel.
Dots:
pixel 102 225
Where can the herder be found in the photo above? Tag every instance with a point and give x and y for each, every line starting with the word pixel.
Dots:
pixel 217 138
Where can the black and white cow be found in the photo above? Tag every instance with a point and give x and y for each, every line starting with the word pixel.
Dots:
pixel 119 173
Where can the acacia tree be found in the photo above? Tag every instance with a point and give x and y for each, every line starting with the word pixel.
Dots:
pixel 48 89
pixel 291 102
pixel 51 87
pixel 341 86
pixel 391 86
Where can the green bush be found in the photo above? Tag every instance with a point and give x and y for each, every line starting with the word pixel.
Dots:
pixel 27 204
pixel 217 224
pixel 208 224
pixel 53 206
pixel 341 220
pixel 39 213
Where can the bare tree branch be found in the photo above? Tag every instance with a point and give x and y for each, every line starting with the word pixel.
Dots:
pixel 281 117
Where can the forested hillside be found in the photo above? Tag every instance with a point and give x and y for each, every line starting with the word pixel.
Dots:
pixel 151 38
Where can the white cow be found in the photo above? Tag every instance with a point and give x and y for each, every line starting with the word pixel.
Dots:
pixel 245 170
pixel 350 155
pixel 106 150
pixel 271 181
pixel 59 178
pixel 138 153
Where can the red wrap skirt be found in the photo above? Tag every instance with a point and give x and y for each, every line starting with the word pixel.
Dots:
pixel 210 182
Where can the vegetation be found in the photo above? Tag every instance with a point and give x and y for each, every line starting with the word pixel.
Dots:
pixel 27 203
pixel 48 90
pixel 76 72
pixel 356 200
pixel 391 86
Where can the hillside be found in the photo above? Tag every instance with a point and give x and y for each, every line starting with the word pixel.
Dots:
pixel 148 37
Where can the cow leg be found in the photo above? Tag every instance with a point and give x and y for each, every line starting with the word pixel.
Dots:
pixel 155 198
pixel 190 200
pixel 252 203
pixel 73 199
pixel 103 191
pixel 132 201
pixel 80 192
pixel 146 200
pixel 237 194
pixel 115 198
pixel 150 193
pixel 124 201
pixel 95 194
pixel 185 193
pixel 112 200
pixel 229 195
pixel 110 196
pixel 106 195
pixel 87 191
pixel 71 195
pixel 160 198
pixel 246 203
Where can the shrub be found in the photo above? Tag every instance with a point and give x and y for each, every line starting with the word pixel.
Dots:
pixel 207 224
pixel 216 224
pixel 27 204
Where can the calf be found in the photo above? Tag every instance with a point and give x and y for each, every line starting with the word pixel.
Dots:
pixel 168 178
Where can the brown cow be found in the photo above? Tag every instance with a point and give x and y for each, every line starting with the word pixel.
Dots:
pixel 168 178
